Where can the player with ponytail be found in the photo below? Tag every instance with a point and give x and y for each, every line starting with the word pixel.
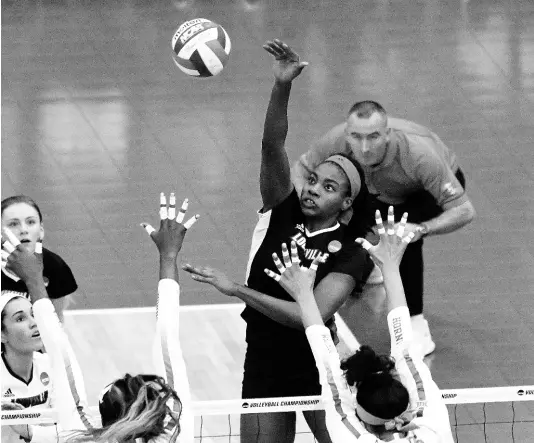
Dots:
pixel 396 398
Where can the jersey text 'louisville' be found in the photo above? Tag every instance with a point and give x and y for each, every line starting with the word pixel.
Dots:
pixel 285 223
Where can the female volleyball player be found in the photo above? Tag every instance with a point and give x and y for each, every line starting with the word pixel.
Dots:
pixel 25 373
pixel 145 407
pixel 396 398
pixel 24 218
pixel 278 361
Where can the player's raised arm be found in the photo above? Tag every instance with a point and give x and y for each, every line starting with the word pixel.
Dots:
pixel 169 359
pixel 275 175
pixel 343 425
pixel 67 390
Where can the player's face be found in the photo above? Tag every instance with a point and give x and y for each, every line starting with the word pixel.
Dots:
pixel 23 220
pixel 19 329
pixel 368 138
pixel 325 192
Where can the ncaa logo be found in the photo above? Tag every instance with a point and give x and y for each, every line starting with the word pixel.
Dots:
pixel 244 405
pixel 45 379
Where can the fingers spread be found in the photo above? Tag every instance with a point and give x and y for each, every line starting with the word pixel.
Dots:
pixel 281 268
pixel 402 225
pixel 272 274
pixel 409 237
pixel 365 243
pixel 391 221
pixel 379 223
pixel 285 255
pixel 315 263
pixel 149 229
pixel 191 221
pixel 183 210
pixel 172 207
pixel 294 253
pixel 163 207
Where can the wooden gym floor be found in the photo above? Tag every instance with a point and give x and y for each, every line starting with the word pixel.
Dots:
pixel 97 121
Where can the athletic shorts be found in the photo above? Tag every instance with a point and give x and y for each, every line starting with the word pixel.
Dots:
pixel 287 370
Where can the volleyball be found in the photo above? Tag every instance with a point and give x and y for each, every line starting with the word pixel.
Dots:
pixel 201 48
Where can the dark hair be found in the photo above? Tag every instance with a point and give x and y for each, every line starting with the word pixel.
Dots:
pixel 135 407
pixel 379 393
pixel 360 224
pixel 3 314
pixel 367 108
pixel 7 202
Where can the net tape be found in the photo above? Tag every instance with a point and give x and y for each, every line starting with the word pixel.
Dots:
pixel 251 406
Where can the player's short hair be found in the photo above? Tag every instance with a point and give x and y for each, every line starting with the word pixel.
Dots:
pixel 367 108
pixel 7 202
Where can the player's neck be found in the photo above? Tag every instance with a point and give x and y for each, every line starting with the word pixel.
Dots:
pixel 314 224
pixel 20 364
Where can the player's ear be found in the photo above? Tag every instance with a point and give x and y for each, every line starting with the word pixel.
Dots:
pixel 346 204
pixel 41 232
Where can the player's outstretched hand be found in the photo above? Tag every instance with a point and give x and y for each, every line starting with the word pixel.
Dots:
pixel 393 242
pixel 170 235
pixel 287 65
pixel 218 279
pixel 295 279
pixel 24 264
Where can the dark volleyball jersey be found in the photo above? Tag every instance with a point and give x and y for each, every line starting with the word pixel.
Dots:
pixel 284 223
pixel 58 277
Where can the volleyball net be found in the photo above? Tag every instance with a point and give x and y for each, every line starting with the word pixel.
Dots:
pixel 503 414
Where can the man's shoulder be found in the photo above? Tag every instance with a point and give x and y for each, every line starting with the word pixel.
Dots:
pixel 409 127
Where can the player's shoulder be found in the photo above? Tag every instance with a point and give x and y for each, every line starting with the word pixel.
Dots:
pixel 352 252
pixel 285 208
pixel 417 156
pixel 42 360
pixel 52 259
pixel 409 127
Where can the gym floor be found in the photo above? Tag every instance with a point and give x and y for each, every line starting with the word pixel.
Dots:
pixel 97 121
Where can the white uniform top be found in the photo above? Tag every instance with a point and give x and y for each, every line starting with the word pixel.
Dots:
pixel 36 394
pixel 170 364
pixel 343 424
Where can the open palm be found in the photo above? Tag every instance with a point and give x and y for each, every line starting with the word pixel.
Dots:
pixel 287 65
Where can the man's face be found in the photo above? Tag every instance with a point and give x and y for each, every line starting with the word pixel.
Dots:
pixel 368 138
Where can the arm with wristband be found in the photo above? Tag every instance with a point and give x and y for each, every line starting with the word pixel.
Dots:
pixel 169 358
pixel 343 425
pixel 427 411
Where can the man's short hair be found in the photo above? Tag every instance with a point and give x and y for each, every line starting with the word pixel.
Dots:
pixel 367 108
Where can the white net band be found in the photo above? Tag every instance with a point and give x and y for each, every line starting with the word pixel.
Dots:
pixel 266 405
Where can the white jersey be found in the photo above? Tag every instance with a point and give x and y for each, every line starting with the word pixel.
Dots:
pixel 36 394
pixel 343 424
pixel 170 364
